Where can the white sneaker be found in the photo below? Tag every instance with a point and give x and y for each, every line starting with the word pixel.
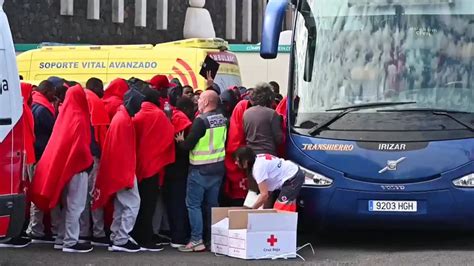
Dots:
pixel 78 248
pixel 16 242
pixel 173 245
pixel 127 247
pixel 193 246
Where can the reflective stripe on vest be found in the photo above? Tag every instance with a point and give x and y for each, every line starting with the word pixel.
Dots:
pixel 210 148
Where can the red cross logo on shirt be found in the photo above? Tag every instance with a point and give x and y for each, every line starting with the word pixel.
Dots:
pixel 243 184
pixel 272 240
pixel 267 156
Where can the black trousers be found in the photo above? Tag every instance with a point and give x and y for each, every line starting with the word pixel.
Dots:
pixel 143 230
pixel 175 201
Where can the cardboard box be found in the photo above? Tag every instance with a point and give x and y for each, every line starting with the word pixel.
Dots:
pixel 254 234
pixel 220 229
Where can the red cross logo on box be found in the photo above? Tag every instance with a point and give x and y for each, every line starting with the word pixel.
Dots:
pixel 272 240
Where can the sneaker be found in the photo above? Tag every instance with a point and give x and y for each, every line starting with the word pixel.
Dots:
pixel 58 246
pixel 100 241
pixel 161 240
pixel 42 239
pixel 152 247
pixel 84 240
pixel 165 234
pixel 193 246
pixel 78 248
pixel 174 245
pixel 128 247
pixel 16 242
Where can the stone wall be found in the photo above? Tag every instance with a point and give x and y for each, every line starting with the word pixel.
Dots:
pixel 36 21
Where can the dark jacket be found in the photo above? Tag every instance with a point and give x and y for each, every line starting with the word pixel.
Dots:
pixel 44 123
pixel 179 169
pixel 95 148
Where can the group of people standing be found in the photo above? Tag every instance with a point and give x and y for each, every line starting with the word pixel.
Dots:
pixel 114 168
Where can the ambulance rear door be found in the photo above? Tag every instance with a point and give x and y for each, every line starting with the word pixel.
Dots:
pixel 229 72
pixel 11 134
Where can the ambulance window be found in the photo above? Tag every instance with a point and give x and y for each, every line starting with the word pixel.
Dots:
pixel 225 81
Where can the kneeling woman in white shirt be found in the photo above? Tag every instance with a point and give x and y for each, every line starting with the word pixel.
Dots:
pixel 272 173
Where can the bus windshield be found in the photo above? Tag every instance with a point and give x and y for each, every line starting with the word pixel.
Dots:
pixel 352 52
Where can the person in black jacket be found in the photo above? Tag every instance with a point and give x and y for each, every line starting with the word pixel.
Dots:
pixel 44 115
pixel 228 102
pixel 175 183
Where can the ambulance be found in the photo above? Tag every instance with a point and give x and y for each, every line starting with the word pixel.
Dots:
pixel 180 59
pixel 12 199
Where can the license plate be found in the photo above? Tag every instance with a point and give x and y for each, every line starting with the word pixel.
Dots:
pixel 392 206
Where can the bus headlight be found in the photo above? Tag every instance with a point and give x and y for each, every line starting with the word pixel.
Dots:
pixel 315 179
pixel 466 181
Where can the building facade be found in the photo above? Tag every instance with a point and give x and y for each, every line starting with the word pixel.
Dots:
pixel 129 21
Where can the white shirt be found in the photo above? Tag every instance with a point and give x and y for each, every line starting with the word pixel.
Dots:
pixel 273 170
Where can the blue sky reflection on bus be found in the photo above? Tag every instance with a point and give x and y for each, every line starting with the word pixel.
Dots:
pixel 371 53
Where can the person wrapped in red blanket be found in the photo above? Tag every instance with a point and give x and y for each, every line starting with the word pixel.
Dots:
pixel 113 96
pixel 235 185
pixel 155 150
pixel 44 116
pixel 28 123
pixel 177 176
pixel 100 122
pixel 283 112
pixel 116 179
pixel 61 173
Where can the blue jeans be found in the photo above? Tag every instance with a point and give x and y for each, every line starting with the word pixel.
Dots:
pixel 201 190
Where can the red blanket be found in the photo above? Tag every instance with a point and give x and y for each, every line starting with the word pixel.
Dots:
pixel 180 121
pixel 155 141
pixel 28 124
pixel 113 96
pixel 118 160
pixel 67 153
pixel 236 182
pixel 282 110
pixel 99 118
pixel 40 99
pixel 282 107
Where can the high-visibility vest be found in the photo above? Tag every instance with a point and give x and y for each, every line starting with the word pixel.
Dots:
pixel 211 147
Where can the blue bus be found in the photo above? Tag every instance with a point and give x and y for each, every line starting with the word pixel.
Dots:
pixel 380 111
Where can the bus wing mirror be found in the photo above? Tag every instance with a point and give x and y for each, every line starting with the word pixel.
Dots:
pixel 272 25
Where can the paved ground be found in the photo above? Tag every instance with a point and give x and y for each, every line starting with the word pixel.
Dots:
pixel 363 248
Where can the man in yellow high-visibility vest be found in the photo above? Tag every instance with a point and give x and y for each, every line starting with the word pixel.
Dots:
pixel 206 143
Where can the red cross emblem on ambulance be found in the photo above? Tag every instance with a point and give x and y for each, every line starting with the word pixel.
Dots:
pixel 272 240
